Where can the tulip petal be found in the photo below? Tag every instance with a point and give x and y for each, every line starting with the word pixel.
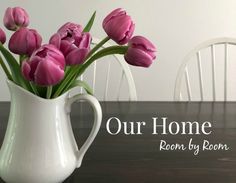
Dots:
pixel 18 43
pixel 66 47
pixel 2 36
pixel 31 43
pixel 25 70
pixel 33 66
pixel 21 17
pixel 8 19
pixel 113 14
pixel 48 73
pixel 128 34
pixel 37 37
pixel 121 26
pixel 142 43
pixel 77 56
pixel 70 29
pixel 57 56
pixel 55 40
pixel 84 41
pixel 138 57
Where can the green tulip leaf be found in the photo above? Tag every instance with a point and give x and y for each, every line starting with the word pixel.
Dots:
pixel 14 67
pixel 5 69
pixel 79 83
pixel 90 23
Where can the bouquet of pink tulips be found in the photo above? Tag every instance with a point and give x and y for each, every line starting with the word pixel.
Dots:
pixel 49 70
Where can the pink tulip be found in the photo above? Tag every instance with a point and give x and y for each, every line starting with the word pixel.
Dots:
pixel 141 52
pixel 24 41
pixel 15 18
pixel 45 67
pixel 119 26
pixel 2 36
pixel 73 43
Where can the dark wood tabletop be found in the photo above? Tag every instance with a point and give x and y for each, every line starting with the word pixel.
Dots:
pixel 137 158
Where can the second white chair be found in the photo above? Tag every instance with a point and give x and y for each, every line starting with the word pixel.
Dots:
pixel 206 73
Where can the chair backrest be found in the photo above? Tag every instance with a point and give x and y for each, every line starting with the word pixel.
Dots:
pixel 104 85
pixel 211 63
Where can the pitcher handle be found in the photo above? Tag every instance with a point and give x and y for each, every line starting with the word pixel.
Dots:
pixel 96 125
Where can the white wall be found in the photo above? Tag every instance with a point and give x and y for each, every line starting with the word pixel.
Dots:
pixel 175 26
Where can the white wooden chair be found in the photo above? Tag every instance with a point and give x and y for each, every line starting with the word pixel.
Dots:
pixel 205 72
pixel 105 86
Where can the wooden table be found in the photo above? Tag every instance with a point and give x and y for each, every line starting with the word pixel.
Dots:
pixel 136 158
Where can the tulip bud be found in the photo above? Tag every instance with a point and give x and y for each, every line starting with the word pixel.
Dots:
pixel 119 26
pixel 73 43
pixel 141 52
pixel 2 36
pixel 45 67
pixel 15 18
pixel 24 41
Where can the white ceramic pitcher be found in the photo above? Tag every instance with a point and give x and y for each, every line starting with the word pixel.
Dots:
pixel 39 145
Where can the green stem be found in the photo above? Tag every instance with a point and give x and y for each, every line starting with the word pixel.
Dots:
pixel 67 78
pixel 78 70
pixel 22 58
pixel 4 67
pixel 98 46
pixel 34 89
pixel 49 92
pixel 107 51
